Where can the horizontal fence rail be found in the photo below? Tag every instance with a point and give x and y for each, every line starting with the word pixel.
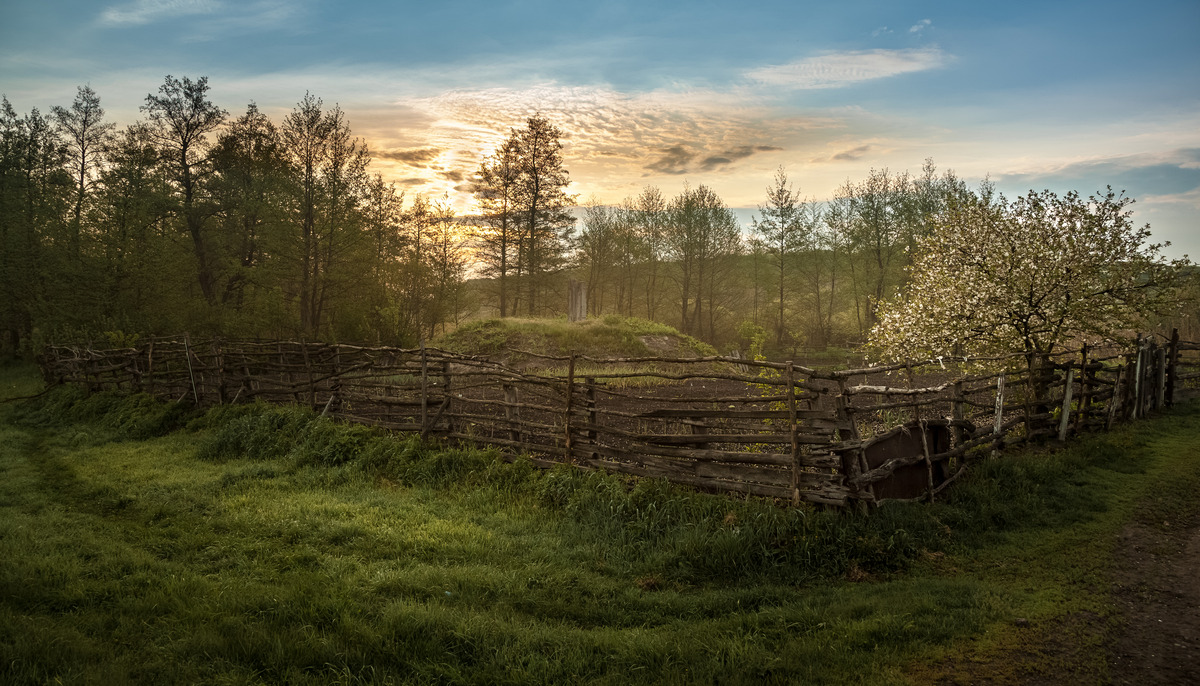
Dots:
pixel 725 424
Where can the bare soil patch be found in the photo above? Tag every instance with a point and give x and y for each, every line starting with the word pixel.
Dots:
pixel 1157 591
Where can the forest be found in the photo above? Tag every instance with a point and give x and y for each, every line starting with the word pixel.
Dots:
pixel 194 219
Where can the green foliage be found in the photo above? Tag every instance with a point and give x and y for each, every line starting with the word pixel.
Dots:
pixel 610 336
pixel 1030 276
pixel 314 552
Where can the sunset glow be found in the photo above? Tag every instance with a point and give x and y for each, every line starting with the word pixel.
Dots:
pixel 1078 97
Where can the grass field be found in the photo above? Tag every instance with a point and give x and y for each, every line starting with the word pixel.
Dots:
pixel 148 543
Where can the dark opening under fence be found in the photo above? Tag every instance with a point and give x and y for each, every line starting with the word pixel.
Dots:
pixel 726 424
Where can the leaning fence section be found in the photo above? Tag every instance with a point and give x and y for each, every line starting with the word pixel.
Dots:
pixel 857 436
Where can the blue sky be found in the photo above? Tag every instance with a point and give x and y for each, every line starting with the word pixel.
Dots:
pixel 1057 95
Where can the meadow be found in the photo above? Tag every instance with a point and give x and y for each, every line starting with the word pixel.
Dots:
pixel 143 542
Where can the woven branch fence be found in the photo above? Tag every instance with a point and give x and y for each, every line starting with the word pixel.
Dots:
pixel 724 424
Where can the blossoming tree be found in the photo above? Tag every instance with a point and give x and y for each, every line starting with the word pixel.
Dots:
pixel 1028 276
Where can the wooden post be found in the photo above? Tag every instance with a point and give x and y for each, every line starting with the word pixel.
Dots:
pixel 1065 419
pixel 1115 399
pixel 1085 397
pixel 567 448
pixel 795 432
pixel 1160 375
pixel 150 367
pixel 312 389
pixel 592 416
pixel 996 440
pixel 187 354
pixel 958 414
pixel 449 399
pixel 511 412
pixel 220 360
pixel 1172 366
pixel 856 462
pixel 424 390
pixel 1137 381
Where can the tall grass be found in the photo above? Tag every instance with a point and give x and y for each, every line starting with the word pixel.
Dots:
pixel 260 544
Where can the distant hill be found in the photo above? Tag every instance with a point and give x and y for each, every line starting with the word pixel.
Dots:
pixel 506 339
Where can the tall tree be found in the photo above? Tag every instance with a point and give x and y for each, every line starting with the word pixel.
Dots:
pixel 702 236
pixel 330 178
pixel 649 222
pixel 181 117
pixel 783 232
pixel 542 203
pixel 251 180
pixel 86 135
pixel 497 238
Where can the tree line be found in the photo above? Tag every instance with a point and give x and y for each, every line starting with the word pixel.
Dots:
pixel 192 219
pixel 806 275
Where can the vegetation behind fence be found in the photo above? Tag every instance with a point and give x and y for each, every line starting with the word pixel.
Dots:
pixel 721 423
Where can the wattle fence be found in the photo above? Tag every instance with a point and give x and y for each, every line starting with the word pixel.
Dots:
pixel 780 430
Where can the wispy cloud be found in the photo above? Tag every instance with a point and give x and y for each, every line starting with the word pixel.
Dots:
pixel 838 69
pixel 920 26
pixel 207 19
pixel 416 157
pixel 142 12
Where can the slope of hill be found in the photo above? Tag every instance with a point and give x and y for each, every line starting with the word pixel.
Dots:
pixel 508 340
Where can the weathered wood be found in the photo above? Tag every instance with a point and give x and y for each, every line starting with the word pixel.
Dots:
pixel 570 400
pixel 191 373
pixel 1172 367
pixel 999 416
pixel 1065 419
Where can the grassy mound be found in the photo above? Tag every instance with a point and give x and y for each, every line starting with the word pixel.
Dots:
pixel 609 336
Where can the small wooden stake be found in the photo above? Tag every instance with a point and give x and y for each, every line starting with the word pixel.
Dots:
pixel 1065 419
pixel 999 415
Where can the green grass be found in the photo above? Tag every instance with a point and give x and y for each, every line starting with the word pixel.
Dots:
pixel 609 336
pixel 149 543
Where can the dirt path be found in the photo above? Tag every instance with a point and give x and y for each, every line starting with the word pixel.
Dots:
pixel 1157 591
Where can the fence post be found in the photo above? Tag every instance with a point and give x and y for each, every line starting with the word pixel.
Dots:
pixel 449 399
pixel 1116 397
pixel 1139 368
pixel 1160 383
pixel 958 414
pixel 996 440
pixel 590 389
pixel 187 355
pixel 1172 366
pixel 568 447
pixel 793 429
pixel 424 390
pixel 150 367
pixel 512 413
pixel 855 460
pixel 1065 419
pixel 1084 392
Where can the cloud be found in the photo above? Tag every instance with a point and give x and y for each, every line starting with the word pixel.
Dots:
pixel 207 19
pixel 730 156
pixel 674 160
pixel 1161 174
pixel 146 11
pixel 882 30
pixel 920 26
pixel 415 157
pixel 852 154
pixel 839 69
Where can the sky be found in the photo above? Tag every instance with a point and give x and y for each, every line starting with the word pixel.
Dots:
pixel 1040 95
